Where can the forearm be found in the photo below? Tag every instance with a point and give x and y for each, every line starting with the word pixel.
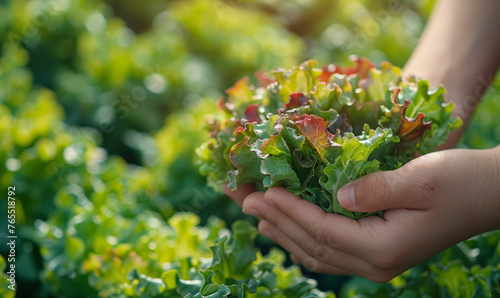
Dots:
pixel 494 162
pixel 460 49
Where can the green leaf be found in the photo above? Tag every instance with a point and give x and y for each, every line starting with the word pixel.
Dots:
pixel 74 247
pixel 169 279
pixel 146 285
pixel 279 172
pixel 233 256
pixel 5 291
pixel 247 164
pixel 353 163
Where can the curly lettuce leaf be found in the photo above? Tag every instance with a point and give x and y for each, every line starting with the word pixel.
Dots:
pixel 314 130
pixel 354 162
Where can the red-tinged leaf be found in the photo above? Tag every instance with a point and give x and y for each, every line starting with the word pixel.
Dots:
pixel 297 99
pixel 361 67
pixel 275 145
pixel 392 118
pixel 314 129
pixel 213 127
pixel 239 129
pixel 236 149
pixel 394 96
pixel 412 129
pixel 278 125
pixel 239 94
pixel 243 131
pixel 327 72
pixel 222 106
pixel 240 85
pixel 264 79
pixel 251 114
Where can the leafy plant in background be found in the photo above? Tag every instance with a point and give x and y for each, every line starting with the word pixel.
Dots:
pixel 176 175
pixel 85 63
pixel 100 250
pixel 102 235
pixel 108 76
pixel 484 128
pixel 469 269
pixel 100 216
pixel 4 281
pixel 315 130
pixel 40 154
pixel 382 31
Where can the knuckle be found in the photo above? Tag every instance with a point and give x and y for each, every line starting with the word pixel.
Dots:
pixel 272 192
pixel 426 187
pixel 425 172
pixel 254 195
pixel 319 233
pixel 311 264
pixel 430 185
pixel 251 200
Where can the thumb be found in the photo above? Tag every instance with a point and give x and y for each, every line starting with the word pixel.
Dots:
pixel 410 186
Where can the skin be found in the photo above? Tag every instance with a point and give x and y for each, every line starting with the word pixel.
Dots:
pixel 431 203
pixel 459 49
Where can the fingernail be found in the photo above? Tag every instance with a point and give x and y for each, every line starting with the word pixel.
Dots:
pixel 252 212
pixel 346 196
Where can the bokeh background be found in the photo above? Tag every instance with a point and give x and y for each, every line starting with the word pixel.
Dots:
pixel 102 103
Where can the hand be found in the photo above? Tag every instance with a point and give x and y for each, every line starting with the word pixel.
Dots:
pixel 431 203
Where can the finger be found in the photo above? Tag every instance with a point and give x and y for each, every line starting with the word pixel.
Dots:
pixel 239 194
pixel 317 251
pixel 365 239
pixel 376 270
pixel 411 186
pixel 333 230
pixel 268 230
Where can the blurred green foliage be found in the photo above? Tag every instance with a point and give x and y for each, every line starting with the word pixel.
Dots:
pixel 102 104
pixel 484 129
pixel 469 269
pixel 109 77
pixel 333 30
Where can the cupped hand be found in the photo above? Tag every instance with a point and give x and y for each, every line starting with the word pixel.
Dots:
pixel 431 203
